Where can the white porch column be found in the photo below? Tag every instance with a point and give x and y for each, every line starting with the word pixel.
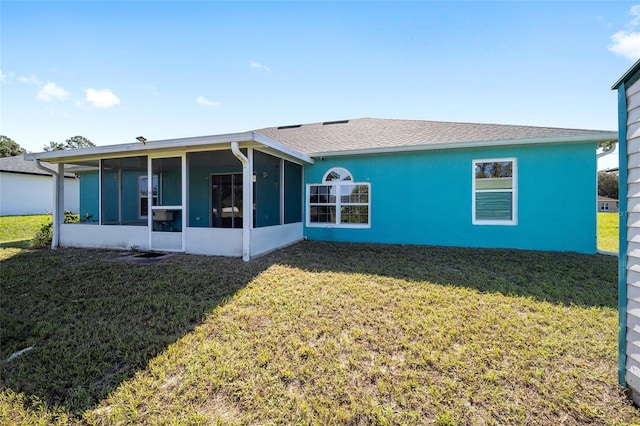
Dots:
pixel 58 205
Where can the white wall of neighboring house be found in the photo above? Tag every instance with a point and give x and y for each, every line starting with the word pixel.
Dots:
pixel 25 194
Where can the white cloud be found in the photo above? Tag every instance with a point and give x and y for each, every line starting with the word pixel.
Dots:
pixel 104 98
pixel 626 43
pixel 51 92
pixel 635 12
pixel 258 65
pixel 6 77
pixel 32 79
pixel 206 102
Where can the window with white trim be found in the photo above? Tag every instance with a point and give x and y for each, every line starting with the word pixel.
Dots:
pixel 339 201
pixel 143 195
pixel 495 192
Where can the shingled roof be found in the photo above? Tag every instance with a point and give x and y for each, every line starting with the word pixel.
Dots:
pixel 17 164
pixel 372 134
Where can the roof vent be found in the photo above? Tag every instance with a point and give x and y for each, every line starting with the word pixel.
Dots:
pixel 293 126
pixel 326 123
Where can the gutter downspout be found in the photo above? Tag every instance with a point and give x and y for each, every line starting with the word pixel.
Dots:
pixel 246 201
pixel 55 238
pixel 607 148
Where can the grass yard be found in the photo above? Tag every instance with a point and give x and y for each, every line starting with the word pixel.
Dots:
pixel 608 236
pixel 317 333
pixel 17 231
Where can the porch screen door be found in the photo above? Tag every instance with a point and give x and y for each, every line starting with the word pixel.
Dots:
pixel 166 221
pixel 226 201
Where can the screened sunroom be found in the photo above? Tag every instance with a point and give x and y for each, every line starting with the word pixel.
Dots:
pixel 230 195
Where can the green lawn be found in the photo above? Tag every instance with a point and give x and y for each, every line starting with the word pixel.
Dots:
pixel 16 231
pixel 608 237
pixel 317 333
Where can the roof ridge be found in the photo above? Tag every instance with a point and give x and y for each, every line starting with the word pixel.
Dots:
pixel 414 120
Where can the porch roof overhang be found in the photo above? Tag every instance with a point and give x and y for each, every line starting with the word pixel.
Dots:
pixel 193 144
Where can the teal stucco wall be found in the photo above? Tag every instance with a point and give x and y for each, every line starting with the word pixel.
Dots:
pixel 89 193
pixel 426 198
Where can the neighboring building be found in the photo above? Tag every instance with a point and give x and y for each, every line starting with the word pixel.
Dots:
pixel 362 180
pixel 26 189
pixel 607 205
pixel 628 88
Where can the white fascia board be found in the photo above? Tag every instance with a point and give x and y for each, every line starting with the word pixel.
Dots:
pixel 270 143
pixel 595 138
pixel 139 148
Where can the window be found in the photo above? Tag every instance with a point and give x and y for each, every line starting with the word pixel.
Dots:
pixel 339 201
pixel 143 195
pixel 495 184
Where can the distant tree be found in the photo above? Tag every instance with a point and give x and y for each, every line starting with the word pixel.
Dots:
pixel 608 184
pixel 9 148
pixel 74 142
pixel 78 142
pixel 54 146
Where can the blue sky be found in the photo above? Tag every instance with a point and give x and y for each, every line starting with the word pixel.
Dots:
pixel 111 71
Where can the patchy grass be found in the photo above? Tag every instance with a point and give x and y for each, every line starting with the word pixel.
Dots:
pixel 608 232
pixel 16 231
pixel 317 333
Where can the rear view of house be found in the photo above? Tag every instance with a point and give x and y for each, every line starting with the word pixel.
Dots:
pixel 362 180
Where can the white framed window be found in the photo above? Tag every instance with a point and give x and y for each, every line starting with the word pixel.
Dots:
pixel 143 195
pixel 495 191
pixel 339 201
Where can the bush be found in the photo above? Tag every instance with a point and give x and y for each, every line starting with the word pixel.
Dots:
pixel 44 235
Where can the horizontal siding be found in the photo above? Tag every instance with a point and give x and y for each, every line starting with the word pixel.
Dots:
pixel 634 265
pixel 633 236
pixel 633 293
pixel 633 145
pixel 633 130
pixel 632 231
pixel 633 249
pixel 633 189
pixel 633 205
pixel 633 175
pixel 633 115
pixel 633 220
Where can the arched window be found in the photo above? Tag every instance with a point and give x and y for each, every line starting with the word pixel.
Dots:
pixel 339 201
pixel 337 174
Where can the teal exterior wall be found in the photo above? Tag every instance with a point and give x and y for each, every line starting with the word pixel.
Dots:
pixel 426 198
pixel 89 196
pixel 130 196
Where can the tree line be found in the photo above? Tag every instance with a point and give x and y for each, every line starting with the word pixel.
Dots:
pixel 10 148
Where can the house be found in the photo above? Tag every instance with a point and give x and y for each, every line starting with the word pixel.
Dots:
pixel 26 189
pixel 628 87
pixel 607 205
pixel 361 180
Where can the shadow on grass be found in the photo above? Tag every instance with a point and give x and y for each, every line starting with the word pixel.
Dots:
pixel 19 244
pixel 93 324
pixel 559 278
